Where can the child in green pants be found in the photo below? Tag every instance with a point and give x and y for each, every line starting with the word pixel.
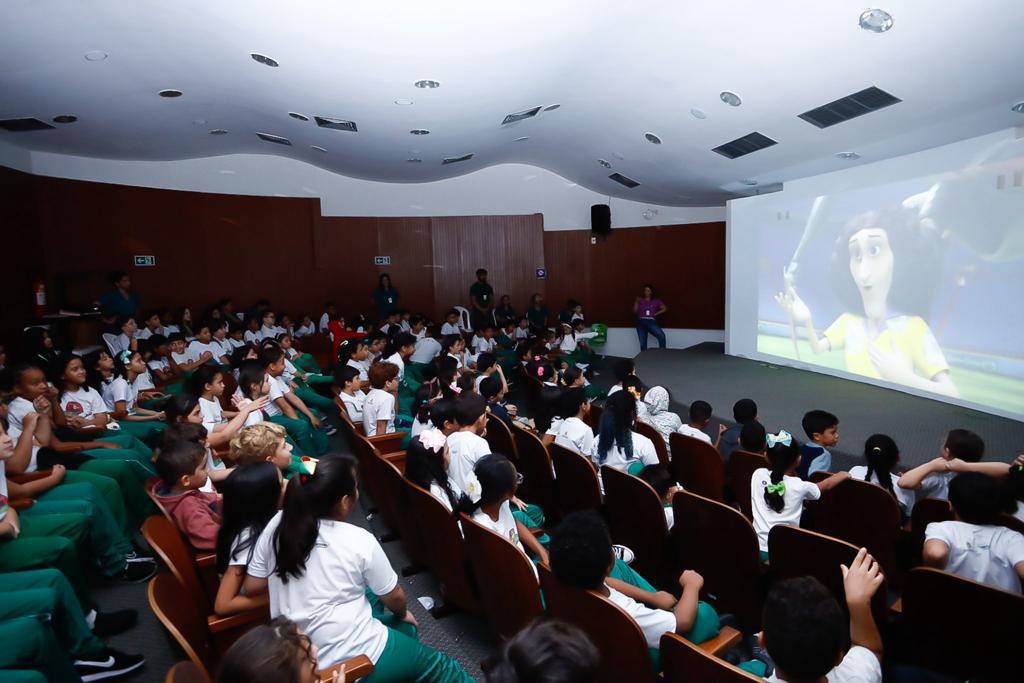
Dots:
pixel 285 407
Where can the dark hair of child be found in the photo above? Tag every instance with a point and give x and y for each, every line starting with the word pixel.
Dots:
pixel 251 493
pixel 581 550
pixel 178 459
pixel 546 651
pixel 804 628
pixel 780 458
pixel 744 410
pixel 817 421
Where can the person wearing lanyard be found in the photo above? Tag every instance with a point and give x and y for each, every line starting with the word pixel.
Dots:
pixel 482 297
pixel 385 297
pixel 647 307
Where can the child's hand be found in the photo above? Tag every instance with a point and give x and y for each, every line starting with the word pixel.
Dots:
pixel 410 619
pixel 664 600
pixel 57 474
pixel 543 556
pixel 691 579
pixel 41 404
pixel 160 416
pixel 29 422
pixel 52 393
pixel 105 444
pixel 722 429
pixel 518 503
pixel 956 465
pixel 315 421
pixel 861 579
pixel 252 406
pixel 513 411
pixel 939 464
pixel 205 356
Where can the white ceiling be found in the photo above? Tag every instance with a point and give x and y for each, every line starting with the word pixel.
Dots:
pixel 618 70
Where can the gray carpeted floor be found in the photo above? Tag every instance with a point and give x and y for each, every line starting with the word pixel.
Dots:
pixel 783 395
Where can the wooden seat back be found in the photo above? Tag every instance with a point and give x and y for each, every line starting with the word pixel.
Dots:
pixel 446 553
pixel 186 672
pixel 576 480
pixel 185 619
pixel 863 514
pixel 720 544
pixel 636 519
pixel 742 465
pixel 925 511
pixel 623 647
pixel 962 628
pixel 164 538
pixel 684 662
pixel 697 466
pixel 499 438
pixel 795 552
pixel 150 486
pixel 534 463
pixel 396 506
pixel 660 447
pixel 505 579
pixel 369 479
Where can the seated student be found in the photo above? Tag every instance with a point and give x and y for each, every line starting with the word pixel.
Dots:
pixel 522 331
pixel 151 325
pixel 301 383
pixel 204 344
pixel 507 335
pixel 492 490
pixel 743 411
pixel 276 652
pixel 426 465
pixel 266 442
pixel 574 342
pixel 269 328
pixel 961 452
pixel 236 334
pixel 207 385
pixel 882 455
pixel 451 324
pixel 455 347
pixel 330 313
pixel 159 362
pixel 253 387
pixel 582 557
pixel 401 349
pixel 314 564
pixel 777 495
pixel 121 396
pixel 1014 490
pixel 391 323
pixel 493 389
pixel 617 444
pixel 822 428
pixel 975 545
pixel 754 438
pixel 182 470
pixel 700 417
pixel 658 415
pixel 184 358
pixel 467 445
pixel 285 408
pixel 546 650
pixel 167 319
pixel 427 347
pixel 484 340
pixel 355 353
pixel 126 339
pixel 310 370
pixel 182 318
pixel 487 366
pixel 251 496
pixel 660 479
pixel 573 431
pixel 222 347
pixel 621 369
pixel 252 330
pixel 381 405
pixel 306 327
pixel 803 632
pixel 346 379
pixel 547 412
pixel 565 316
pixel 43 627
pixel 427 394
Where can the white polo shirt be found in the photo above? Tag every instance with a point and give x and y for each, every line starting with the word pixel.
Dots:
pixel 378 405
pixel 328 602
pixel 118 389
pixel 396 359
pixel 83 402
pixel 278 388
pixel 354 404
pixel 449 329
pixel 860 665
pixel 653 622
pixel 427 349
pixel 694 433
pixel 576 434
pixel 797 491
pixel 505 527
pixel 643 451
pixel 905 497
pixel 211 412
pixel 465 449
pixel 363 376
pixel 936 485
pixel 988 554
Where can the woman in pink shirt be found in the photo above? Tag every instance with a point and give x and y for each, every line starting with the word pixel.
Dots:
pixel 647 308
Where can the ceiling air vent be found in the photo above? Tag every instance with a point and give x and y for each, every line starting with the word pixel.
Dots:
pixel 336 124
pixel 455 160
pixel 849 107
pixel 23 125
pixel 519 116
pixel 623 180
pixel 744 145
pixel 274 138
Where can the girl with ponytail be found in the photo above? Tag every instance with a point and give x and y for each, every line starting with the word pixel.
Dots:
pixel 777 495
pixel 334 581
pixel 881 455
pixel 617 444
pixel 498 480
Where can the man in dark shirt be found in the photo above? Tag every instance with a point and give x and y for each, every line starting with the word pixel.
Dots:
pixel 482 299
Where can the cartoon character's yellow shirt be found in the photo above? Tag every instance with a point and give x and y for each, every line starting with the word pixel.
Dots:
pixel 908 335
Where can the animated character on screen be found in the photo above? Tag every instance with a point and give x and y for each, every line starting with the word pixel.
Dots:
pixel 885 268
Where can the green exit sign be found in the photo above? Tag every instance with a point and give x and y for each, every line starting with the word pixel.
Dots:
pixel 145 260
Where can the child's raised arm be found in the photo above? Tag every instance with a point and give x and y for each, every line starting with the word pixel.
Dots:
pixel 912 479
pixel 833 481
pixel 992 469
pixel 860 582
pixel 530 541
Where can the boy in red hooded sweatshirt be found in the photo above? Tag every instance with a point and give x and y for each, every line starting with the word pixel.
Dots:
pixel 182 469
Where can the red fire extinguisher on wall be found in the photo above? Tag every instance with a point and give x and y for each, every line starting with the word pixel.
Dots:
pixel 39 294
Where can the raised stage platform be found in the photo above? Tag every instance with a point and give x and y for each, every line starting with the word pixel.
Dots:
pixel 784 394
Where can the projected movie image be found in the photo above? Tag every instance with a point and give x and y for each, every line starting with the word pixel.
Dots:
pixel 918 283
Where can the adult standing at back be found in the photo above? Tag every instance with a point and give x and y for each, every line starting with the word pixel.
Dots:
pixel 647 308
pixel 385 297
pixel 120 300
pixel 481 299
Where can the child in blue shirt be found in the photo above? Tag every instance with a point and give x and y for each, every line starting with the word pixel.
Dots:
pixel 822 428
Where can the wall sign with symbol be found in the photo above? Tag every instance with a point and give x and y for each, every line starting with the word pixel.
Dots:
pixel 542 273
pixel 145 260
pixel 382 260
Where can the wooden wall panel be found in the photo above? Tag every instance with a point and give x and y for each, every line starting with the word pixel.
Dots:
pixel 408 242
pixel 509 247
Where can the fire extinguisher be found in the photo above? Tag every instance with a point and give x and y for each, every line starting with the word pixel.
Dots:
pixel 39 293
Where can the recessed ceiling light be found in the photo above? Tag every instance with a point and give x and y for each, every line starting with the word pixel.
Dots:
pixel 218 131
pixel 276 139
pixel 263 59
pixel 318 148
pixel 420 131
pixel 749 182
pixel 847 155
pixel 427 83
pixel 226 171
pixel 1019 108
pixel 730 98
pixel 652 138
pixel 403 102
pixel 65 118
pixel 95 55
pixel 414 160
pixel 875 20
pixel 297 115
pixel 523 139
pixel 552 107
pixel 170 92
pixel 698 113
pixel 604 163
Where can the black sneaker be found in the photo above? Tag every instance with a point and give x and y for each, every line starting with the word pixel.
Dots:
pixel 112 623
pixel 107 664
pixel 138 571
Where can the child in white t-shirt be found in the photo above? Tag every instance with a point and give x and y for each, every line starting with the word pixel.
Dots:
pixel 975 546
pixel 403 347
pixel 659 478
pixel 882 456
pixel 204 344
pixel 346 379
pixel 798 607
pixel 426 465
pixel 355 353
pixel 182 358
pixel 573 430
pixel 467 445
pixel 306 326
pixel 961 452
pixel 700 417
pixel 777 495
pixel 493 488
pixel 381 405
pixel 617 444
pixel 451 324
pixel 427 347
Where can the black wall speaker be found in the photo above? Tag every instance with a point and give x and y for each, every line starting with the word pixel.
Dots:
pixel 600 219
